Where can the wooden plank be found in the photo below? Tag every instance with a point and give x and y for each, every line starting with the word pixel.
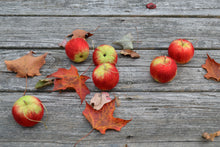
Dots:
pixel 187 79
pixel 109 7
pixel 134 73
pixel 58 59
pixel 159 118
pixel 152 32
pixel 148 144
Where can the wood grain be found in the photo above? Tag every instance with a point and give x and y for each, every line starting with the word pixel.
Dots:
pixel 110 8
pixel 150 32
pixel 166 118
pixel 164 115
pixel 133 76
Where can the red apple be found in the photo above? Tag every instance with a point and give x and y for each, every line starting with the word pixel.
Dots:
pixel 105 76
pixel 181 50
pixel 28 111
pixel 105 54
pixel 163 69
pixel 77 49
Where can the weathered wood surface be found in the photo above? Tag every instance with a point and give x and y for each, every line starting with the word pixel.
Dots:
pixel 150 32
pixel 167 115
pixel 134 73
pixel 109 7
pixel 164 118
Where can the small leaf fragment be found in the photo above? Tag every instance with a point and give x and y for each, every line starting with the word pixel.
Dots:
pixel 128 52
pixel 63 43
pixel 210 136
pixel 126 42
pixel 99 99
pixel 43 83
pixel 213 69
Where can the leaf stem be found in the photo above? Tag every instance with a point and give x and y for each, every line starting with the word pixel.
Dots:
pixel 25 87
pixel 83 137
pixel 87 69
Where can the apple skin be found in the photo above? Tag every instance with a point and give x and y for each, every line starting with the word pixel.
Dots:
pixel 105 76
pixel 105 54
pixel 181 51
pixel 77 49
pixel 163 69
pixel 28 108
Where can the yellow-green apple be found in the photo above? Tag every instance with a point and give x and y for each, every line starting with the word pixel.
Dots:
pixel 77 49
pixel 105 76
pixel 163 69
pixel 105 54
pixel 28 111
pixel 181 51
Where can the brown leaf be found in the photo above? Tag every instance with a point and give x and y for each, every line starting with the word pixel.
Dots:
pixel 128 52
pixel 99 99
pixel 28 65
pixel 80 34
pixel 213 69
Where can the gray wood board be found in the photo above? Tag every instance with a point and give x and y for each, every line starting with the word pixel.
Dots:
pixel 150 32
pixel 109 7
pixel 134 73
pixel 158 119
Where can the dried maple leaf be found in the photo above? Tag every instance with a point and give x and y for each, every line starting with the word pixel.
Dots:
pixel 213 69
pixel 103 119
pixel 28 65
pixel 70 79
pixel 80 34
pixel 128 52
pixel 99 99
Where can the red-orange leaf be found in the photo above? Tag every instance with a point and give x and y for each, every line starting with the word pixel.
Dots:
pixel 71 79
pixel 27 65
pixel 213 69
pixel 103 119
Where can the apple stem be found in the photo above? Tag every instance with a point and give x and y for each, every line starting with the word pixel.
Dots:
pixel 182 42
pixel 83 137
pixel 25 102
pixel 165 58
